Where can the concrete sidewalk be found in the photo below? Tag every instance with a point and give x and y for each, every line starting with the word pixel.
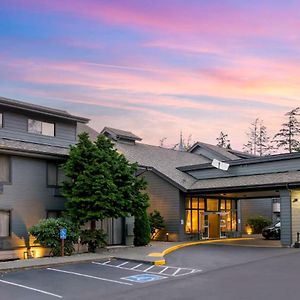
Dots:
pixel 128 253
pixel 153 253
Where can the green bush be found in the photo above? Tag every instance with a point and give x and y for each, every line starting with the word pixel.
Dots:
pixel 257 223
pixel 47 234
pixel 141 230
pixel 157 223
pixel 94 238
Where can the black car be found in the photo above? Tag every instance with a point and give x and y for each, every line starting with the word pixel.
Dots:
pixel 272 231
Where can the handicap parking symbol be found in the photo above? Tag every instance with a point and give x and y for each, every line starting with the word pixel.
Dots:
pixel 142 278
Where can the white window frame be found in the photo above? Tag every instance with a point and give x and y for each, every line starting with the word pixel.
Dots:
pixel 8 213
pixel 40 126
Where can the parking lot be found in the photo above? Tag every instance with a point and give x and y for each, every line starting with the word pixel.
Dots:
pixel 212 271
pixel 86 280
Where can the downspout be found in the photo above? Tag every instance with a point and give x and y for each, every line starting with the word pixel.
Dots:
pixel 291 231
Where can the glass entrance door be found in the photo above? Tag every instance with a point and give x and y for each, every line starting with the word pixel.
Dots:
pixel 223 224
pixel 214 226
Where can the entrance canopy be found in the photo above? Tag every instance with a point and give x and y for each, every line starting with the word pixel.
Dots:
pixel 276 176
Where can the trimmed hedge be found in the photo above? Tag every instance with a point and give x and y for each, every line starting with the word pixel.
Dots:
pixel 257 223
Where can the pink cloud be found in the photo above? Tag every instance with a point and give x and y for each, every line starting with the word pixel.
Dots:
pixel 221 19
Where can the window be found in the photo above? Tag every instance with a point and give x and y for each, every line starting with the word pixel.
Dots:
pixel 54 214
pixel 39 127
pixel 52 174
pixel 4 169
pixel 4 223
pixel 212 204
pixel 55 176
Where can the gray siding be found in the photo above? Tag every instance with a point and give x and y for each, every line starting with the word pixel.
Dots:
pixel 254 207
pixel 285 218
pixel 15 127
pixel 165 198
pixel 28 198
pixel 295 215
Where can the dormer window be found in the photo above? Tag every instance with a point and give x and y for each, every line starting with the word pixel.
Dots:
pixel 40 127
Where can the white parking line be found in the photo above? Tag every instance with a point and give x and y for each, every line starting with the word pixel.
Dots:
pixel 89 276
pixel 186 271
pixel 149 268
pixel 164 269
pixel 174 274
pixel 123 264
pixel 30 288
pixel 136 266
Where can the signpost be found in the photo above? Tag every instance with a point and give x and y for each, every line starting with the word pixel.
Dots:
pixel 63 236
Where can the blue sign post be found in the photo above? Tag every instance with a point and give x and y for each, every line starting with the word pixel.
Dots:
pixel 63 236
pixel 63 233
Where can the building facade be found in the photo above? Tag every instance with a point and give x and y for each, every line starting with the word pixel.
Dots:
pixel 34 141
pixel 199 200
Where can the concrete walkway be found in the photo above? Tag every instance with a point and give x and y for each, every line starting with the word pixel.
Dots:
pixel 153 253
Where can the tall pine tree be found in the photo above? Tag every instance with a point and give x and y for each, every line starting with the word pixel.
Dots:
pixel 287 137
pixel 223 140
pixel 101 183
pixel 259 142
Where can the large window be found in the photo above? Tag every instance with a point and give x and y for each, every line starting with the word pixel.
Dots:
pixel 4 223
pixel 55 175
pixel 39 127
pixel 197 210
pixel 4 169
pixel 194 214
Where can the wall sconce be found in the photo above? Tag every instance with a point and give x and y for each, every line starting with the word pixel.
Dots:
pixel 295 200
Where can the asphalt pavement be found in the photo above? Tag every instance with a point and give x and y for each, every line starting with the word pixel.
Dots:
pixel 197 272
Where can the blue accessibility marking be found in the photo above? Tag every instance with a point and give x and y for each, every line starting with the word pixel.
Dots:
pixel 63 233
pixel 142 278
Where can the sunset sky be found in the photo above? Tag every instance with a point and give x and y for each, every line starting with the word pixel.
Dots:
pixel 156 67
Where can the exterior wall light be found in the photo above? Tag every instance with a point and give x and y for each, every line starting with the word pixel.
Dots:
pixel 249 230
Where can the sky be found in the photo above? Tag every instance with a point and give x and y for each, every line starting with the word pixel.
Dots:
pixel 156 67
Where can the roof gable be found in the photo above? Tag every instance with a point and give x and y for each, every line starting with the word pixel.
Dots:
pixel 29 107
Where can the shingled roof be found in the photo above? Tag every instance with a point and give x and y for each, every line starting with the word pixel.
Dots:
pixel 120 134
pixel 227 154
pixel 32 148
pixel 162 161
pixel 166 163
pixel 25 106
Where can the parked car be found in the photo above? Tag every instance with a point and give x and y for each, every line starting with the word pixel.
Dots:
pixel 272 231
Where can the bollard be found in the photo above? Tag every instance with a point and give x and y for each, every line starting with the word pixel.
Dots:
pixel 297 244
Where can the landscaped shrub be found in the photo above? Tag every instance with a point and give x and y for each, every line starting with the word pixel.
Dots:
pixel 94 238
pixel 257 223
pixel 47 234
pixel 141 230
pixel 157 223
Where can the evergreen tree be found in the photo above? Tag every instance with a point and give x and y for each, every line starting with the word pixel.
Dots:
pixel 259 142
pixel 142 231
pixel 223 140
pixel 157 223
pixel 101 183
pixel 287 136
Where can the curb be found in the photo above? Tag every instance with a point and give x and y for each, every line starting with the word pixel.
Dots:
pixel 162 261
